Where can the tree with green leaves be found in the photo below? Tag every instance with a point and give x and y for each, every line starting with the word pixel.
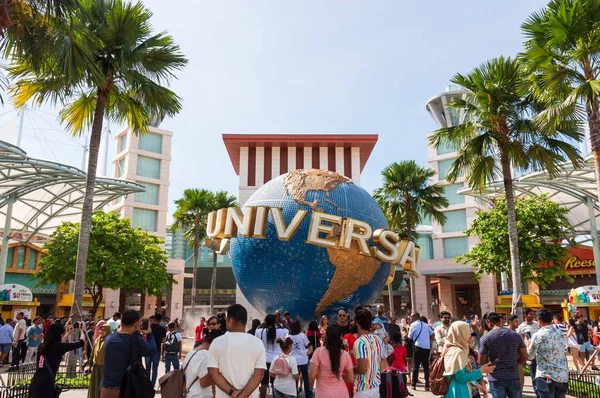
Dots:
pixel 562 52
pixel 498 135
pixel 542 249
pixel 102 59
pixel 406 196
pixel 121 257
pixel 191 216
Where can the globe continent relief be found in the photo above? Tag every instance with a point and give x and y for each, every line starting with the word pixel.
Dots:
pixel 302 278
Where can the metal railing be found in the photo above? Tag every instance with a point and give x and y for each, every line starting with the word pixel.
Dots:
pixel 586 385
pixel 64 379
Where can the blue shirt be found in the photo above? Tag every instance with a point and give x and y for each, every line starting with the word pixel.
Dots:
pixel 116 355
pixel 6 334
pixel 421 333
pixel 384 320
pixel 502 344
pixel 34 341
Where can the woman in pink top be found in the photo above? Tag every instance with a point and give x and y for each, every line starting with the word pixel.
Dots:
pixel 328 365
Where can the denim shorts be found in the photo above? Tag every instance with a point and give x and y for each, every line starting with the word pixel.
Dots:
pixel 5 347
pixel 587 346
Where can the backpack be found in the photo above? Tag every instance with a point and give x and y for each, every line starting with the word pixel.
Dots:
pixel 135 383
pixel 280 367
pixel 171 343
pixel 393 385
pixel 439 383
pixel 173 384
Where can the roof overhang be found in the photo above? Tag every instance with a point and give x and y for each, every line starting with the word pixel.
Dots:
pixel 573 187
pixel 233 143
pixel 44 194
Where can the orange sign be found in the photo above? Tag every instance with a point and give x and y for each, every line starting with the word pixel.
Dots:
pixel 580 261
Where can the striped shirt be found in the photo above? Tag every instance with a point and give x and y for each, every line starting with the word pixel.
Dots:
pixel 563 327
pixel 368 346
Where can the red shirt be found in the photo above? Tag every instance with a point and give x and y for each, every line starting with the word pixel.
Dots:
pixel 351 340
pixel 396 360
pixel 199 329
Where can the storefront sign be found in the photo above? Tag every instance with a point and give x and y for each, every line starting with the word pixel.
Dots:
pixel 12 292
pixel 585 294
pixel 580 260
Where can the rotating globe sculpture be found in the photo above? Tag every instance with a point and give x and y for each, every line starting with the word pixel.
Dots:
pixel 303 278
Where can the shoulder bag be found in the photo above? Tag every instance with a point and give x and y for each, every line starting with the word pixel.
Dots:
pixel 410 343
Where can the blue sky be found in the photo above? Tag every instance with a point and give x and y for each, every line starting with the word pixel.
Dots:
pixel 351 67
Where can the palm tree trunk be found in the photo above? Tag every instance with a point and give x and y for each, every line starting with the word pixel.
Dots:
pixel 195 272
pixel 213 283
pixel 88 203
pixel 513 237
pixel 391 298
pixel 409 231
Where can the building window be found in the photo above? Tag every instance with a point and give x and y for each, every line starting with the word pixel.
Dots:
pixel 454 247
pixel 11 255
pixel 451 192
pixel 32 260
pixel 145 219
pixel 426 219
pixel 455 221
pixel 151 142
pixel 148 167
pixel 21 257
pixel 425 243
pixel 122 143
pixel 150 196
pixel 446 147
pixel 120 168
pixel 453 116
pixel 444 167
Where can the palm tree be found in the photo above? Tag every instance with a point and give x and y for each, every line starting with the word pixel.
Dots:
pixel 562 53
pixel 190 216
pixel 406 196
pixel 107 63
pixel 220 200
pixel 498 135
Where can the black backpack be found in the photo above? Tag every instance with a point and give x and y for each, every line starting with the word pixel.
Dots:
pixel 393 384
pixel 135 383
pixel 171 343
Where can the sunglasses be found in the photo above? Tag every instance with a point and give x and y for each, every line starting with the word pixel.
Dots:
pixel 212 324
pixel 342 315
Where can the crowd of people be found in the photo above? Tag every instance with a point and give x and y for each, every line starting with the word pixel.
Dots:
pixel 359 354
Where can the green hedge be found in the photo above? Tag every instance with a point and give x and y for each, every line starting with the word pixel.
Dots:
pixel 79 382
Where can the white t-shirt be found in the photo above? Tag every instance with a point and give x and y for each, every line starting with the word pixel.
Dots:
pixel 195 371
pixel 286 384
pixel 273 349
pixel 20 328
pixel 236 355
pixel 299 348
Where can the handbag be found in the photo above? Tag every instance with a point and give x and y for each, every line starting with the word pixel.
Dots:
pixel 410 343
pixel 57 389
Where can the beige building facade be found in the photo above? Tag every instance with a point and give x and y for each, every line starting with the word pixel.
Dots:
pixel 146 159
pixel 444 284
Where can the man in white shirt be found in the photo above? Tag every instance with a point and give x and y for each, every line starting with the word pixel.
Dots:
pixel 237 360
pixel 114 321
pixel 441 331
pixel 18 340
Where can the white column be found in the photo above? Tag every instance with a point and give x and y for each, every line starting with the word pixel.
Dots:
pixel 291 158
pixel 355 164
pixel 260 166
pixel 5 237
pixel 308 157
pixel 339 160
pixel 323 162
pixel 244 166
pixel 275 159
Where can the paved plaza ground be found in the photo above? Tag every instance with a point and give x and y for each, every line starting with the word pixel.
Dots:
pixel 188 344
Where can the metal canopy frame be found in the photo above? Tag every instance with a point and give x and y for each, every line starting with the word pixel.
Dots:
pixel 574 188
pixel 38 195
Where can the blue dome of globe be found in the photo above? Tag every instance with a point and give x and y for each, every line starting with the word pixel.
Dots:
pixel 300 277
